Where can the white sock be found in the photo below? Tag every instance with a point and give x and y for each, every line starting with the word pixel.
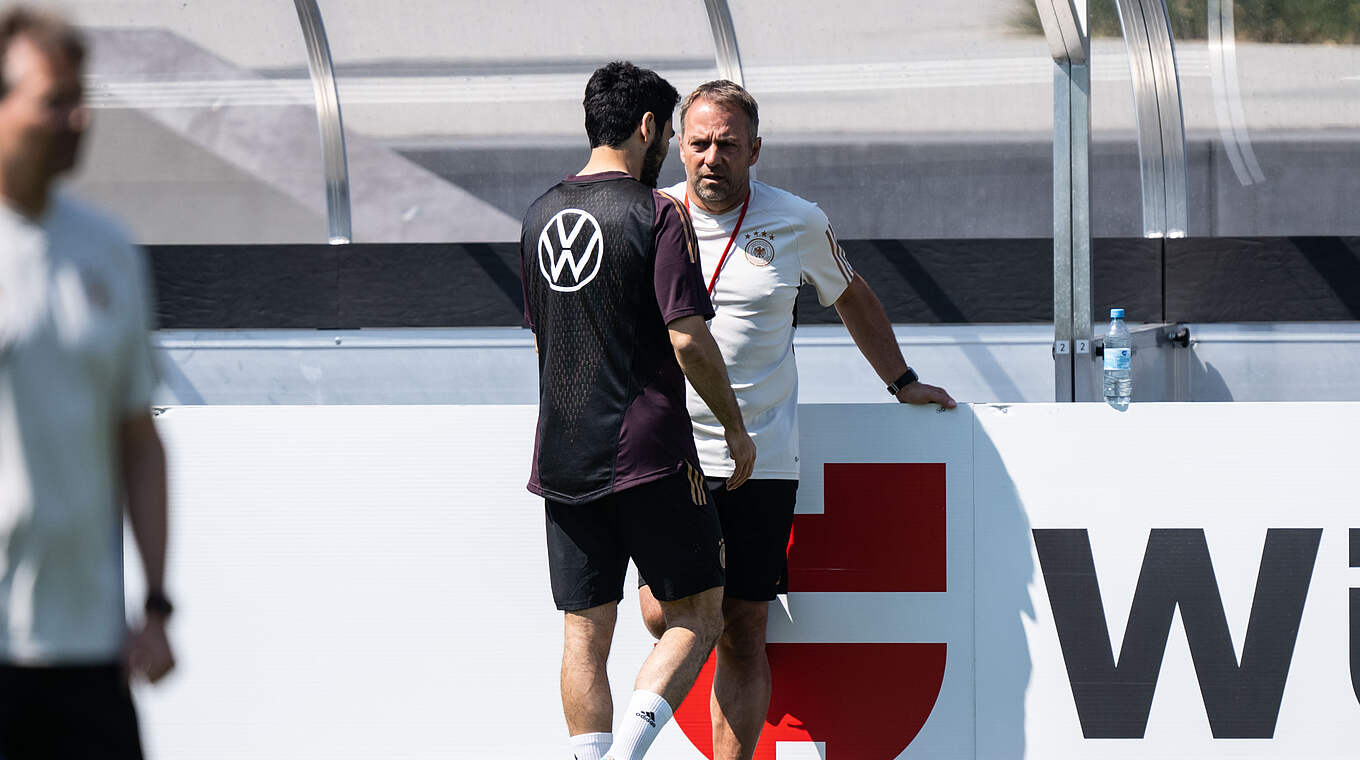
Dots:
pixel 643 720
pixel 591 746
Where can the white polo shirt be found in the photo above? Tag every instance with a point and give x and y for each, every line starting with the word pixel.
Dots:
pixel 74 361
pixel 784 241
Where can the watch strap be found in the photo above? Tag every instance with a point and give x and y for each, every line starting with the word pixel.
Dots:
pixel 906 379
pixel 158 603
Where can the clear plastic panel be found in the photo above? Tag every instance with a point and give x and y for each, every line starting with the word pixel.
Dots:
pixel 458 115
pixel 929 119
pixel 1271 93
pixel 1116 179
pixel 204 121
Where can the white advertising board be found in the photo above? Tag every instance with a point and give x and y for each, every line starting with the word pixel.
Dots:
pixel 998 581
pixel 1226 527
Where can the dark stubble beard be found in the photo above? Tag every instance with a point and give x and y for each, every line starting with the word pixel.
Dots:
pixel 652 161
pixel 722 194
pixel 714 196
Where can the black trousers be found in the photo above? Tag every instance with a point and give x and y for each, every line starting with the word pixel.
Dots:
pixel 67 713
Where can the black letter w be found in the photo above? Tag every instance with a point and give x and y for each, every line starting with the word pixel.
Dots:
pixel 1112 700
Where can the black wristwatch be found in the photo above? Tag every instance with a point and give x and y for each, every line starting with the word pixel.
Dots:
pixel 906 379
pixel 157 603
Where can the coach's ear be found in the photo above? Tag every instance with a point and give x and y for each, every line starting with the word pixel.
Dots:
pixel 755 152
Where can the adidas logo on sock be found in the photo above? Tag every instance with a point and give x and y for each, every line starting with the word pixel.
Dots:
pixel 650 717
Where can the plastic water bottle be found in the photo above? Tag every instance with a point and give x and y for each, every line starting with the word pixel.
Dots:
pixel 1118 361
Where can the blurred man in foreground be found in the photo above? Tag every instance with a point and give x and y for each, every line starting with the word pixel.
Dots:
pixel 77 442
pixel 758 244
pixel 613 295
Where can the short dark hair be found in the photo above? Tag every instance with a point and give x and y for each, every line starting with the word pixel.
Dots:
pixel 727 94
pixel 50 32
pixel 617 96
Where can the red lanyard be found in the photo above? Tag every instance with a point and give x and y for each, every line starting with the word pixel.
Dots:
pixel 722 260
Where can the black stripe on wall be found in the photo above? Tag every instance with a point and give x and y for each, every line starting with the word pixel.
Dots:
pixel 918 281
pixel 1295 279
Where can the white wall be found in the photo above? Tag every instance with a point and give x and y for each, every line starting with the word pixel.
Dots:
pixel 365 581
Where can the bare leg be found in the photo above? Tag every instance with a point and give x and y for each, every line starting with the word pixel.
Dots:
pixel 652 616
pixel 741 683
pixel 692 627
pixel 586 700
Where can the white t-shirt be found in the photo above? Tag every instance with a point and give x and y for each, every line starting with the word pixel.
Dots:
pixel 74 361
pixel 784 241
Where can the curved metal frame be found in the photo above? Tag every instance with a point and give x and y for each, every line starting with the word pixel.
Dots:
pixel 1171 117
pixel 1065 29
pixel 1232 121
pixel 1161 124
pixel 725 41
pixel 328 121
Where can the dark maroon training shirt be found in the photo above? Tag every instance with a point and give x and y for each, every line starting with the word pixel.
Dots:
pixel 606 263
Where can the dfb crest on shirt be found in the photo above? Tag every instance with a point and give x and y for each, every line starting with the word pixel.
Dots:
pixel 570 240
pixel 759 251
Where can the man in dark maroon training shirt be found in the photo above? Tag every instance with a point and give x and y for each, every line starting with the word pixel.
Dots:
pixel 617 303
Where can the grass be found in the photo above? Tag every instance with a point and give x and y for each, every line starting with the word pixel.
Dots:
pixel 1313 22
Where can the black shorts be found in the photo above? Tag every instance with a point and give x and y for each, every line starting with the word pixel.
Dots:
pixel 67 713
pixel 756 520
pixel 668 527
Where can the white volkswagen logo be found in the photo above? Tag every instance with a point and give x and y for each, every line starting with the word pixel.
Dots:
pixel 576 249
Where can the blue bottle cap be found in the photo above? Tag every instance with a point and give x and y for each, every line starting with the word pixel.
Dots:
pixel 1116 313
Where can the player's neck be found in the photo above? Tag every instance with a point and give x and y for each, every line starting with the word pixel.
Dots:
pixel 606 159
pixel 722 207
